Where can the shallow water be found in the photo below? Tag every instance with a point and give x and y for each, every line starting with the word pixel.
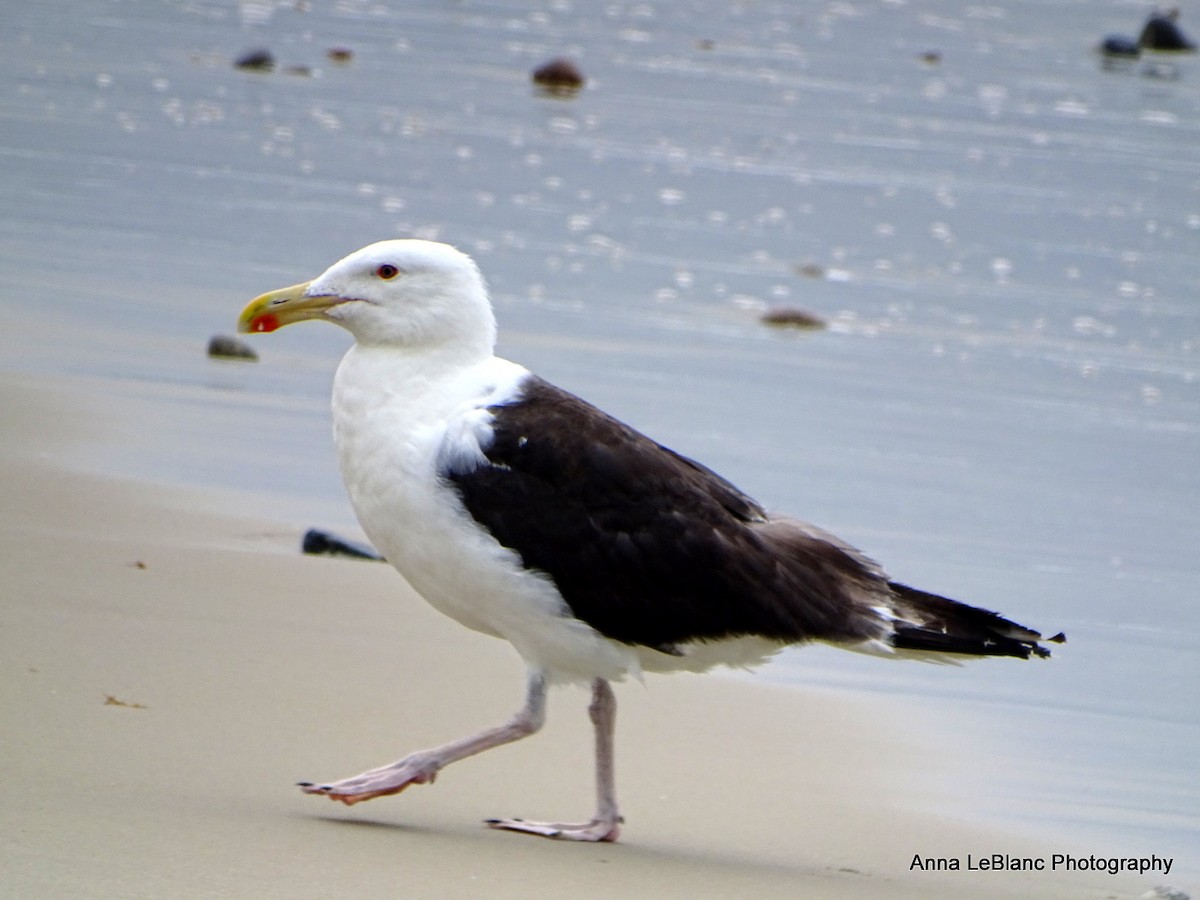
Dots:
pixel 1005 240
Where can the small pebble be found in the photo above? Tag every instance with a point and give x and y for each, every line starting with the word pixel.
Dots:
pixel 559 76
pixel 1119 45
pixel 222 346
pixel 340 55
pixel 325 543
pixel 257 60
pixel 792 317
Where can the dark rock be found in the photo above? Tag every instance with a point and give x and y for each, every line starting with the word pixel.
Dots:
pixel 1120 46
pixel 792 317
pixel 257 60
pixel 931 57
pixel 340 55
pixel 1161 32
pixel 559 76
pixel 324 543
pixel 222 346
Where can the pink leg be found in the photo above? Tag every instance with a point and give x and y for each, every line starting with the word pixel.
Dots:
pixel 606 824
pixel 422 767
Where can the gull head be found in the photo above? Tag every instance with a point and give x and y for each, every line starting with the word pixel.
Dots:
pixel 410 294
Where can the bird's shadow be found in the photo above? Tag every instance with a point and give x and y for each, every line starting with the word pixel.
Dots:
pixel 631 850
pixel 390 825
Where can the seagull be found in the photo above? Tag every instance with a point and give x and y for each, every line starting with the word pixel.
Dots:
pixel 524 512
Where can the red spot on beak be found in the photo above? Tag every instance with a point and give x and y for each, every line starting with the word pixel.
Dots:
pixel 265 322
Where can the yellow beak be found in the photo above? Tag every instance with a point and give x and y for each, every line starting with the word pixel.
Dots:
pixel 283 307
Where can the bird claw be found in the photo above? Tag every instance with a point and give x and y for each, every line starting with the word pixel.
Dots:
pixel 600 829
pixel 381 782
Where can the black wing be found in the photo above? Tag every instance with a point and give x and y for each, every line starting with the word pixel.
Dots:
pixel 645 545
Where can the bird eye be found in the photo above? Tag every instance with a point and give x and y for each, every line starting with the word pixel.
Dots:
pixel 387 271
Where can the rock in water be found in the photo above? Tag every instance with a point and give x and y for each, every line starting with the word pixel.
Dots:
pixel 1120 46
pixel 1162 32
pixel 792 317
pixel 559 76
pixel 222 346
pixel 258 60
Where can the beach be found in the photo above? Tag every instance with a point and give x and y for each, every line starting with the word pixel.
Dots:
pixel 170 670
pixel 998 229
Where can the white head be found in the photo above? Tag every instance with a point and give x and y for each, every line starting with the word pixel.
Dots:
pixel 406 293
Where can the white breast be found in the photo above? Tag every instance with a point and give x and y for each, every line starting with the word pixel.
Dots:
pixel 395 418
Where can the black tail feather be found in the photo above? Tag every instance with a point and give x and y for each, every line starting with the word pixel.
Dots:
pixel 928 622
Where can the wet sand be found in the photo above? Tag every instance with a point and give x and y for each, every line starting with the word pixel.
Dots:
pixel 170 669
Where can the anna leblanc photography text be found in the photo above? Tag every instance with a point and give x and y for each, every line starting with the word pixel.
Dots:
pixel 1058 862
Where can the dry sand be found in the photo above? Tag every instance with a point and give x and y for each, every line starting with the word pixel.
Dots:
pixel 169 672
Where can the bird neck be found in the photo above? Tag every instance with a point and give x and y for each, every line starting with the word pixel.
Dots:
pixel 384 369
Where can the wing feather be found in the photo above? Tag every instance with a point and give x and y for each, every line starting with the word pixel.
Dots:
pixel 648 546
